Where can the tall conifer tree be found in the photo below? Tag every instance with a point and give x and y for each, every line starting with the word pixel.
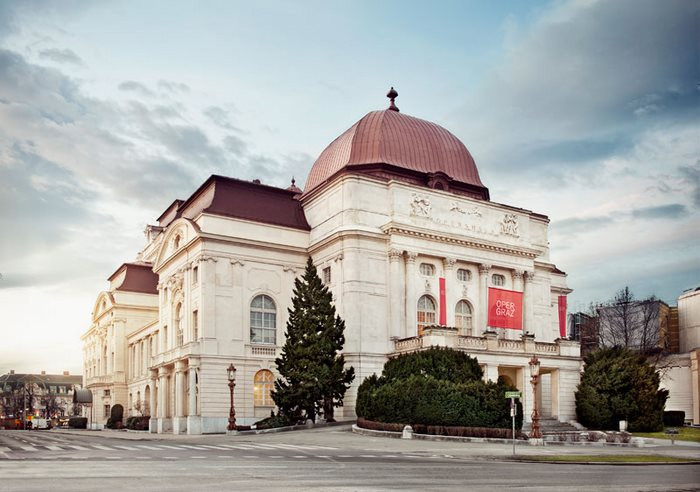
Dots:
pixel 312 369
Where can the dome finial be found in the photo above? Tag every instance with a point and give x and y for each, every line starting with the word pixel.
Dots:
pixel 392 94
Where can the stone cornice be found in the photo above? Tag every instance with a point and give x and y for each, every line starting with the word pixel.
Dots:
pixel 404 230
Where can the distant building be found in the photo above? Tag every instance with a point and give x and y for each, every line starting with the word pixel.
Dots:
pixel 41 395
pixel 584 329
pixel 680 369
pixel 640 325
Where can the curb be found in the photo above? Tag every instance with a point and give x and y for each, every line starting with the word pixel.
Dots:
pixel 492 440
pixel 606 463
pixel 291 428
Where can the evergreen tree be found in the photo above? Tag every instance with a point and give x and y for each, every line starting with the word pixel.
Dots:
pixel 313 374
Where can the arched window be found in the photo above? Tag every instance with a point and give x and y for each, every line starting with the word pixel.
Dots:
pixel 463 318
pixel 178 325
pixel 263 320
pixel 426 313
pixel 262 387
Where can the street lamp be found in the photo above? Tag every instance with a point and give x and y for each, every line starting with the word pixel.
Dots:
pixel 231 384
pixel 534 378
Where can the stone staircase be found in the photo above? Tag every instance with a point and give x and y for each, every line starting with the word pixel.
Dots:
pixel 551 426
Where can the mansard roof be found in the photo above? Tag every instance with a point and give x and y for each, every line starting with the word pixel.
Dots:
pixel 139 277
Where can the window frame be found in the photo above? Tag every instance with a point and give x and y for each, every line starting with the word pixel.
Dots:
pixel 430 266
pixel 468 275
pixel 422 324
pixel 263 382
pixel 464 330
pixel 502 280
pixel 261 334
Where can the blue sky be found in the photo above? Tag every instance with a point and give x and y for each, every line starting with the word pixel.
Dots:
pixel 584 110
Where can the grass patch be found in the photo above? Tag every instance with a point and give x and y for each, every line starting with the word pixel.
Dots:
pixel 684 434
pixel 608 458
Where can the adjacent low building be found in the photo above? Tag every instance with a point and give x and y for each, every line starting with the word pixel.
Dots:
pixel 404 234
pixel 39 395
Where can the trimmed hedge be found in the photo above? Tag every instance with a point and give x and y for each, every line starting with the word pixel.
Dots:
pixel 77 422
pixel 443 430
pixel 138 423
pixel 441 363
pixel 674 418
pixel 437 387
pixel 273 421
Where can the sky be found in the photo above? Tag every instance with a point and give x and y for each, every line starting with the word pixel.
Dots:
pixel 586 111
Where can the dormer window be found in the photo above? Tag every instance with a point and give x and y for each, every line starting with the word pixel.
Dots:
pixel 427 269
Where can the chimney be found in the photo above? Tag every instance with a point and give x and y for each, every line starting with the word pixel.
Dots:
pixel 66 373
pixel 12 371
pixel 43 373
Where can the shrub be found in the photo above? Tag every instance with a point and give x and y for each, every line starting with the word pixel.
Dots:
pixel 618 384
pixel 138 423
pixel 442 430
pixel 674 418
pixel 441 363
pixel 273 421
pixel 423 399
pixel 78 422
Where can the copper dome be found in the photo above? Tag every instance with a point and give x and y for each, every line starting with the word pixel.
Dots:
pixel 400 143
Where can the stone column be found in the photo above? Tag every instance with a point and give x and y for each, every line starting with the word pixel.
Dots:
pixel 529 325
pixel 395 285
pixel 153 405
pixel 194 421
pixel 179 422
pixel 163 396
pixel 482 323
pixel 411 328
pixel 449 264
pixel 517 286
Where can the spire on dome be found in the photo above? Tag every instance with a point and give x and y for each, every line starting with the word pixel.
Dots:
pixel 293 187
pixel 392 94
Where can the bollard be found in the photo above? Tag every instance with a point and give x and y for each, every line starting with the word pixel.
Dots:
pixel 407 432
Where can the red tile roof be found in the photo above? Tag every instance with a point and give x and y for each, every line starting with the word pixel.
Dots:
pixel 402 141
pixel 139 278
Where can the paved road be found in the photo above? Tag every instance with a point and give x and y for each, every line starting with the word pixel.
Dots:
pixel 325 460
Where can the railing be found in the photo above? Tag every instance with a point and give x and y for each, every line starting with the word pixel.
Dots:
pixel 408 344
pixel 263 350
pixel 105 379
pixel 511 345
pixel 473 343
pixel 546 348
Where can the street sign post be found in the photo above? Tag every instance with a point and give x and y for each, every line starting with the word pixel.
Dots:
pixel 513 409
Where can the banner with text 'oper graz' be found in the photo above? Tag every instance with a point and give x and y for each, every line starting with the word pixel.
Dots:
pixel 505 309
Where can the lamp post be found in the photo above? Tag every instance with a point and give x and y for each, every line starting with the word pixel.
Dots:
pixel 534 379
pixel 231 384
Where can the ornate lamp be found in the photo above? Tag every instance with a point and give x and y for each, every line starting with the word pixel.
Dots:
pixel 534 379
pixel 231 384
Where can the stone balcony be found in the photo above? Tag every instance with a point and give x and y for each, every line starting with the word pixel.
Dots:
pixel 99 380
pixel 448 337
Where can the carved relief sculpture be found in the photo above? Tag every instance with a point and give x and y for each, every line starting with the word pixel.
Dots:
pixel 420 205
pixel 509 225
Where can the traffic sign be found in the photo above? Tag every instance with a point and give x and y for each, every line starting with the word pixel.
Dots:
pixel 513 394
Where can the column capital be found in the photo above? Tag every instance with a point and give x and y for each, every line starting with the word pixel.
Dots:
pixel 518 274
pixel 180 366
pixel 193 363
pixel 529 275
pixel 449 263
pixel 395 254
pixel 484 268
pixel 162 372
pixel 411 256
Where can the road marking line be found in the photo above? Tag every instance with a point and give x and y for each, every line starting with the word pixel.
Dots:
pixel 189 446
pixel 367 456
pixel 245 446
pixel 250 456
pixel 232 447
pixel 223 456
pixel 344 456
pixel 267 446
pixel 198 457
pixel 147 447
pixel 113 457
pixel 169 447
pixel 4 449
pixel 169 457
pixel 29 448
pixel 212 447
pixel 53 448
pixel 97 446
pixel 276 456
pixel 128 448
pixel 322 456
pixel 299 456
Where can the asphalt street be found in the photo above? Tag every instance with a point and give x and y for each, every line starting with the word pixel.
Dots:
pixel 322 459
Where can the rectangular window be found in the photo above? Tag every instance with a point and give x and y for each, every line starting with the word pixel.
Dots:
pixel 107 409
pixel 165 339
pixel 195 325
pixel 427 269
pixel 327 275
pixel 107 393
pixel 195 275
pixel 498 280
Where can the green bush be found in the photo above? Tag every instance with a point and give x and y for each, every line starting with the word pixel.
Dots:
pixel 77 422
pixel 273 421
pixel 437 387
pixel 441 363
pixel 674 418
pixel 618 384
pixel 138 423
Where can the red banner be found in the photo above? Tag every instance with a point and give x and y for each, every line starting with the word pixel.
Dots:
pixel 505 309
pixel 443 303
pixel 562 316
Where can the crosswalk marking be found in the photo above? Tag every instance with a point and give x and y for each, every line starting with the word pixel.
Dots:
pixel 53 448
pixel 128 448
pixel 189 446
pixel 212 447
pixel 143 446
pixel 165 446
pixel 97 446
pixel 29 448
pixel 77 448
pixel 4 449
